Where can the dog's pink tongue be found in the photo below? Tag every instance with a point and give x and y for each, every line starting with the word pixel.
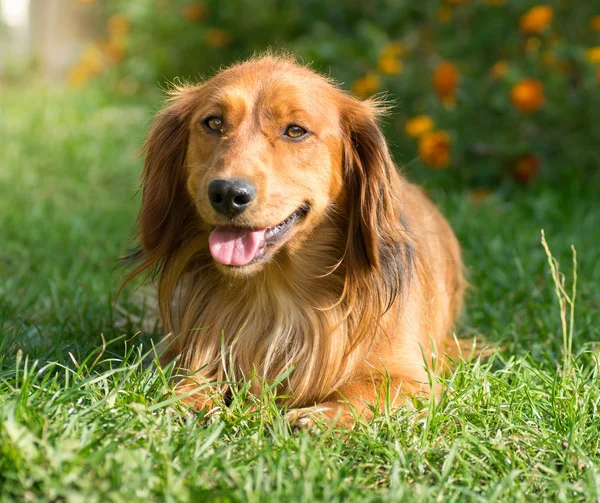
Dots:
pixel 235 246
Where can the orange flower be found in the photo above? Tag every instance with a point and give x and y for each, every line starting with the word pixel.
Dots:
pixel 115 50
pixel 445 81
pixel 194 12
pixel 395 49
pixel 525 168
pixel 118 25
pixel 434 149
pixel 389 62
pixel 537 19
pixel 216 38
pixel 92 60
pixel 444 14
pixel 593 55
pixel 528 95
pixel 78 75
pixel 391 66
pixel 595 23
pixel 367 85
pixel 500 69
pixel 418 126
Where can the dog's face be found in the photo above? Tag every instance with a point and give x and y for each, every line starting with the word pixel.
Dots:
pixel 263 163
pixel 252 161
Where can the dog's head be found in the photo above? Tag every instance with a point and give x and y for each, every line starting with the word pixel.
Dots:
pixel 254 159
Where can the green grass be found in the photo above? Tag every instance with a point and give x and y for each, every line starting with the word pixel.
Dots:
pixel 85 421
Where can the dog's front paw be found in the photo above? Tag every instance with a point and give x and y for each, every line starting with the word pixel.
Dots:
pixel 311 417
pixel 305 417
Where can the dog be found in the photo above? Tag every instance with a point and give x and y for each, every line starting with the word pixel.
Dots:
pixel 284 237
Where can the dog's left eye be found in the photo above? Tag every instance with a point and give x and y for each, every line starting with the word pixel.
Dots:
pixel 294 131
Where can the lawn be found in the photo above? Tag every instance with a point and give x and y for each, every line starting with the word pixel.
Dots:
pixel 86 415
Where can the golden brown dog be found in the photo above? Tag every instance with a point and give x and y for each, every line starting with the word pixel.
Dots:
pixel 283 233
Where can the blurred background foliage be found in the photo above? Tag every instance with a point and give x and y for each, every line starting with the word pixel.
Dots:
pixel 485 91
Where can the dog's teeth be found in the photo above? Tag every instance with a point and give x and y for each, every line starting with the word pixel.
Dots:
pixel 273 232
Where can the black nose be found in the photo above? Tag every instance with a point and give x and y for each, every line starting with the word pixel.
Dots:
pixel 231 197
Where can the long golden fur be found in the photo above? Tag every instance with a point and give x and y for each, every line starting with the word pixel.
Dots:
pixel 362 291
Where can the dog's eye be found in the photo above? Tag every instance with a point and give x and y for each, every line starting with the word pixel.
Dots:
pixel 294 131
pixel 214 124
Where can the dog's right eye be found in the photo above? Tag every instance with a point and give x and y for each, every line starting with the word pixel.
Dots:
pixel 214 124
pixel 295 132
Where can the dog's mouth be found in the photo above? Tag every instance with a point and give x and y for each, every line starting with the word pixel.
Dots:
pixel 242 246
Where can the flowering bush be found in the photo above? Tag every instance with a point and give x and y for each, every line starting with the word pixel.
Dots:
pixel 484 88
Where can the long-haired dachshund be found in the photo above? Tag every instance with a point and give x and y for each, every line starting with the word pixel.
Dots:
pixel 283 234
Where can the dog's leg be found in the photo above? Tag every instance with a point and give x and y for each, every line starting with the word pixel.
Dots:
pixel 358 399
pixel 198 393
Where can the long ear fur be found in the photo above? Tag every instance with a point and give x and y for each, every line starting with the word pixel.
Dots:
pixel 378 243
pixel 166 211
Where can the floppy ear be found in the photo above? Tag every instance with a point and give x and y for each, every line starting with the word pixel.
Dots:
pixel 166 207
pixel 375 226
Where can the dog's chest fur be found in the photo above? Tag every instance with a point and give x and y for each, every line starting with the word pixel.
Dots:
pixel 269 322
